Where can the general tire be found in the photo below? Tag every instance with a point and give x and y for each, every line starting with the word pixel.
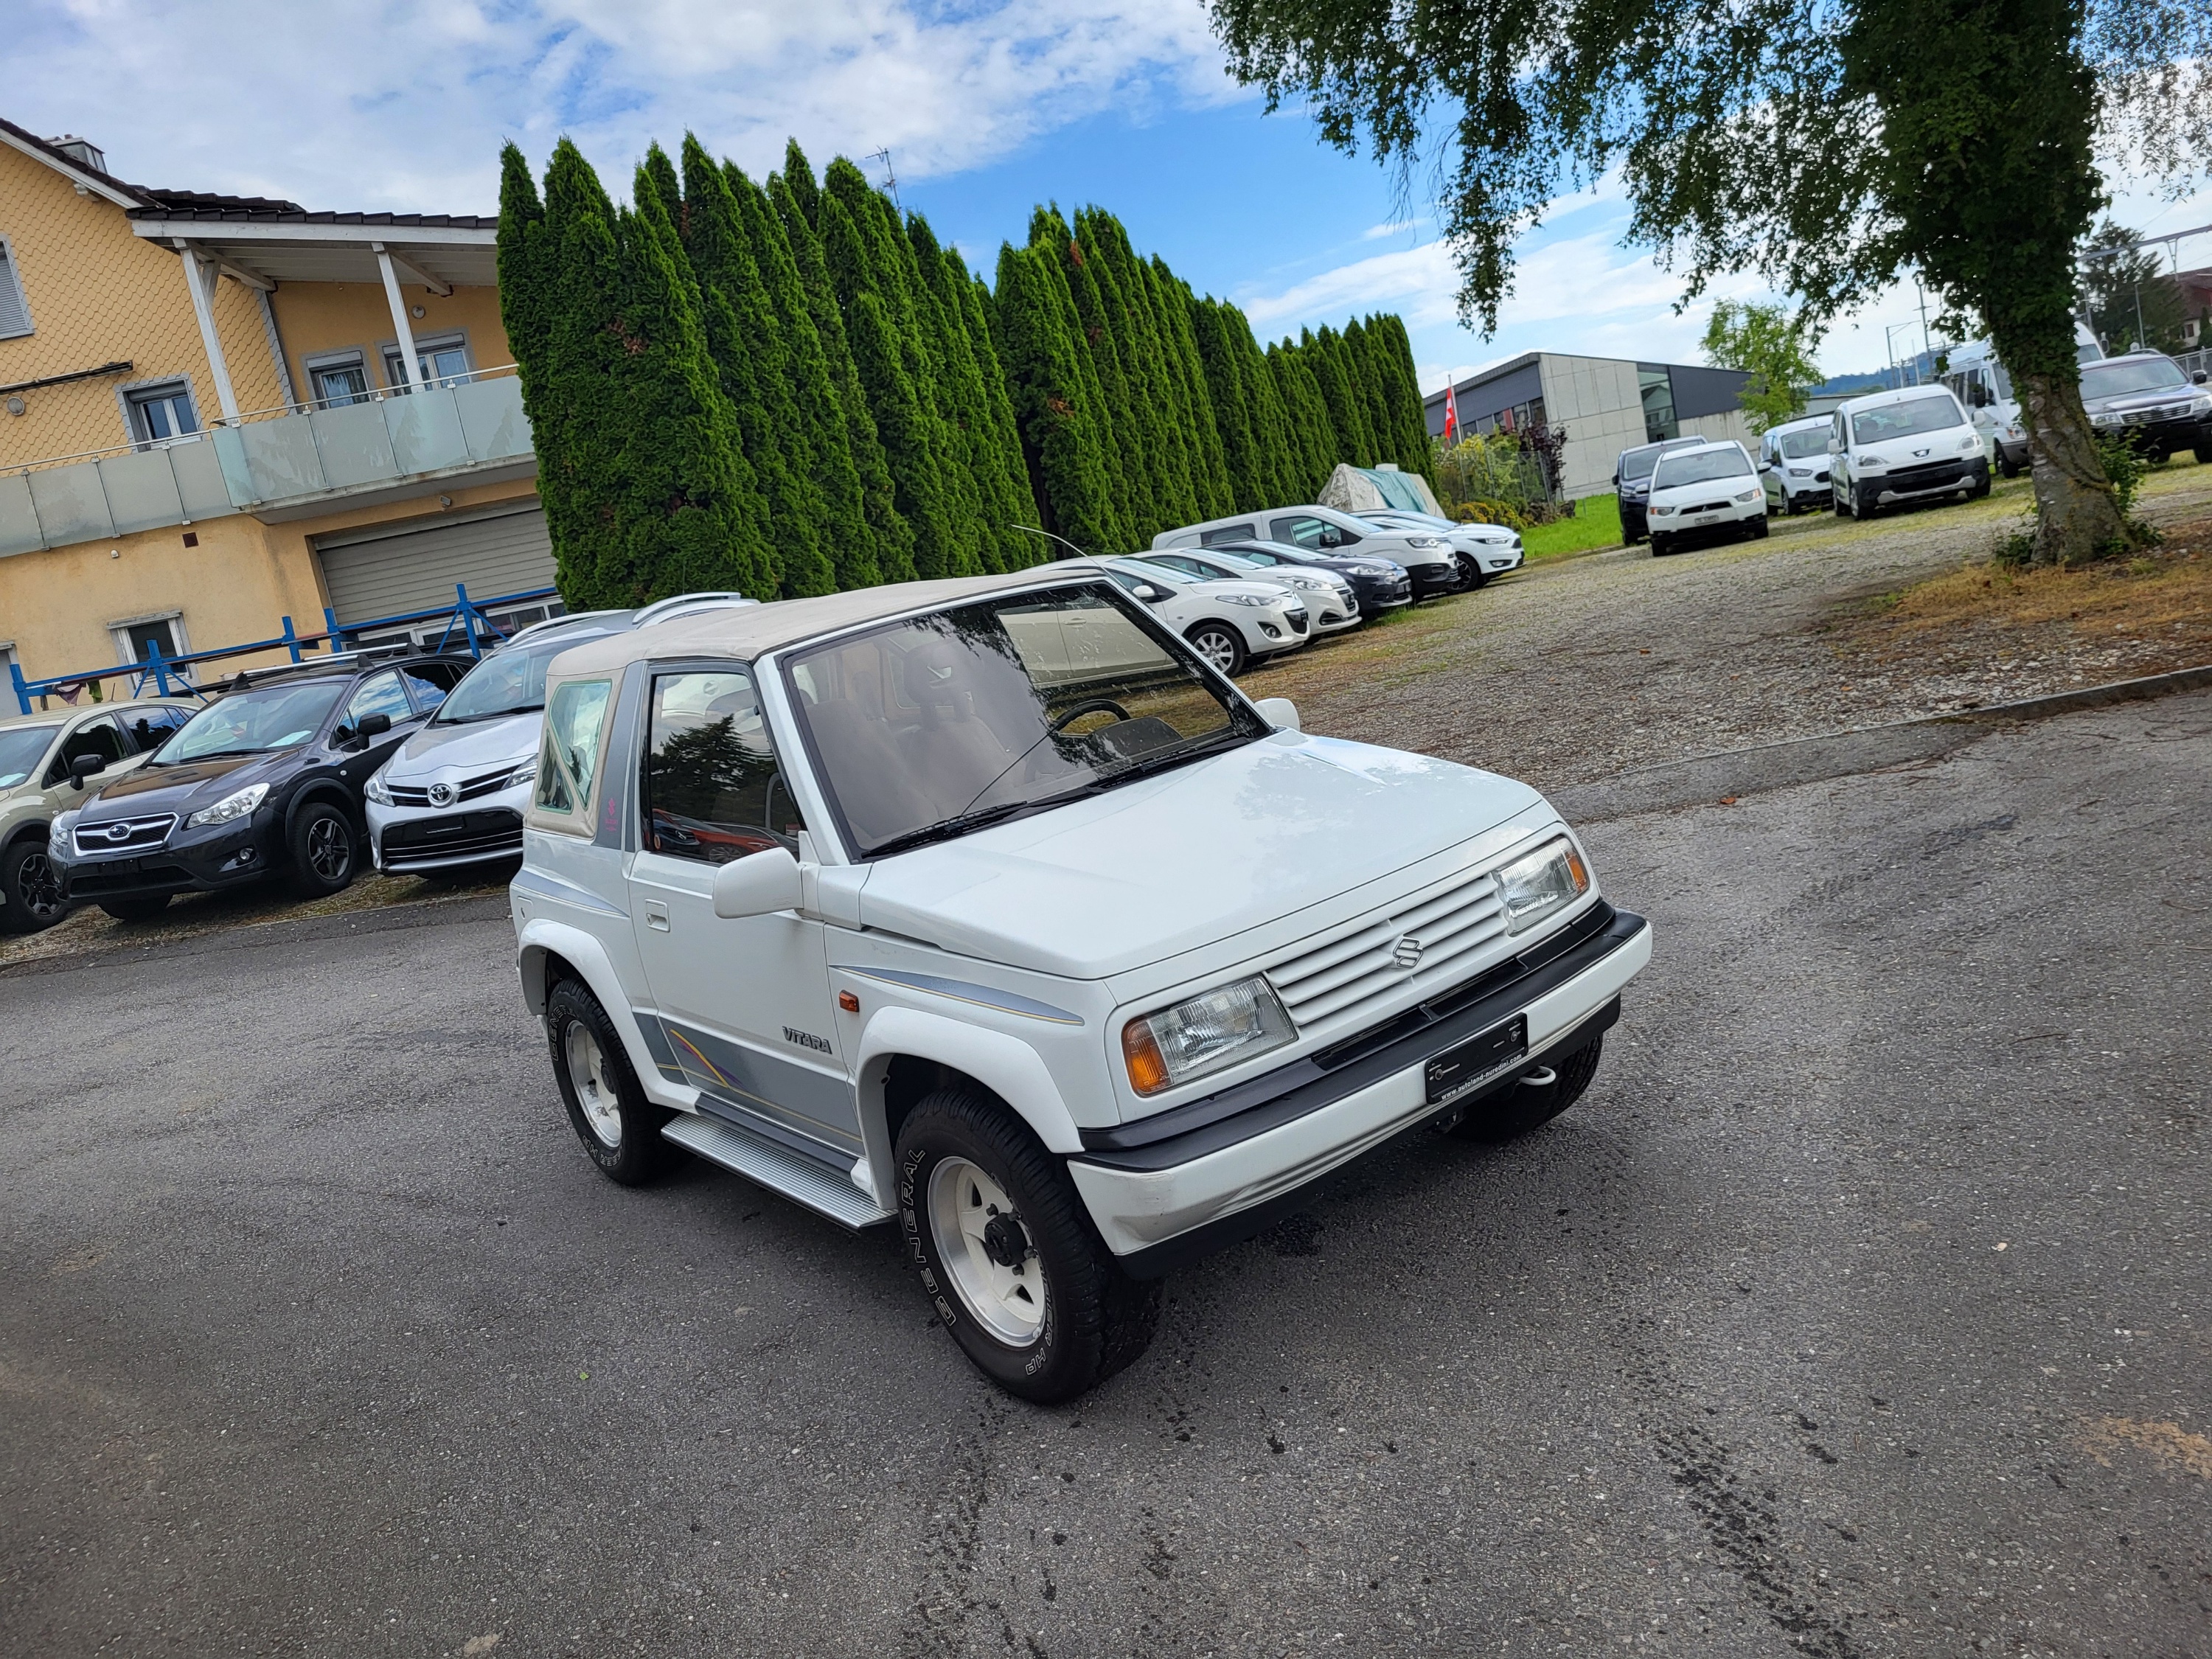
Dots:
pixel 619 1126
pixel 1219 644
pixel 1758 531
pixel 1091 1319
pixel 2013 469
pixel 135 909
pixel 1471 573
pixel 1528 1106
pixel 2202 452
pixel 30 896
pixel 1661 546
pixel 325 850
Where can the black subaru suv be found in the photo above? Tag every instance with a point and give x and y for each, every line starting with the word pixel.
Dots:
pixel 266 780
pixel 2146 396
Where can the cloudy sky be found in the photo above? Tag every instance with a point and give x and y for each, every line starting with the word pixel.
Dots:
pixel 985 108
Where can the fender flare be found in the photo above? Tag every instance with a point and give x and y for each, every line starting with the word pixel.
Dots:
pixel 541 937
pixel 1006 1065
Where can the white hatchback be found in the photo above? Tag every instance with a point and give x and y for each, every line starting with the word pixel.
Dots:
pixel 1712 493
pixel 1230 624
pixel 907 904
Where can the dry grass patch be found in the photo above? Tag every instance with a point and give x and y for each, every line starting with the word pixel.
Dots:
pixel 2144 614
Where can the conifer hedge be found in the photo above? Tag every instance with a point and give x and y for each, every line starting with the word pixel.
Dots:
pixel 787 387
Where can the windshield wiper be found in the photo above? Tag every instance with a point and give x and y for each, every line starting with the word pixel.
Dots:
pixel 960 823
pixel 494 714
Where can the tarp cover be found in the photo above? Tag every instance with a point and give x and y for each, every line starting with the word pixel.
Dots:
pixel 1365 488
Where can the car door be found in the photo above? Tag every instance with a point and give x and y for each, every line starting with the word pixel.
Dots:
pixel 744 1002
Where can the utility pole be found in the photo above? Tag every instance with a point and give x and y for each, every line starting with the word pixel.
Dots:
pixel 1927 349
pixel 891 180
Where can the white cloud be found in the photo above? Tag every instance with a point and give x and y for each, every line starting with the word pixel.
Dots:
pixel 401 104
pixel 1375 233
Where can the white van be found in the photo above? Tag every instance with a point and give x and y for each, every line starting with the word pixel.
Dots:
pixel 1793 463
pixel 1912 445
pixel 1984 386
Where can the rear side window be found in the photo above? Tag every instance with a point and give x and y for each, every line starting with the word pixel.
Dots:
pixel 1312 534
pixel 149 728
pixel 1231 532
pixel 431 683
pixel 712 791
pixel 569 758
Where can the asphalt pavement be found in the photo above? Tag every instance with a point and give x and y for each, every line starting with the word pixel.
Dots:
pixel 1860 1309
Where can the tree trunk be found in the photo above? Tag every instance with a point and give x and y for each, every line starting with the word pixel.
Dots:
pixel 2077 515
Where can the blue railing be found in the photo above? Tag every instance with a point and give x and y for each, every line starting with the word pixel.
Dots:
pixel 173 674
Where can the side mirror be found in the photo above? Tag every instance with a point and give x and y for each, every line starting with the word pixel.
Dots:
pixel 1280 713
pixel 757 885
pixel 372 725
pixel 1148 593
pixel 2198 377
pixel 83 767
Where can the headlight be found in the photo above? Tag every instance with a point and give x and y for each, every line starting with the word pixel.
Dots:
pixel 1253 599
pixel 375 789
pixel 58 834
pixel 1871 464
pixel 1971 443
pixel 1424 542
pixel 1204 1034
pixel 1748 495
pixel 526 772
pixel 1306 584
pixel 1800 471
pixel 230 807
pixel 1661 512
pixel 1548 879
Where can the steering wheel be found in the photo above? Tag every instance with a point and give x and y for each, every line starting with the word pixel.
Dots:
pixel 1091 706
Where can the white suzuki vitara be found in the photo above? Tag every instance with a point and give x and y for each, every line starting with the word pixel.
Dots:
pixel 908 904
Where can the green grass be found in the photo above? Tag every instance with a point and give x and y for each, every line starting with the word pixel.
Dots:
pixel 1596 523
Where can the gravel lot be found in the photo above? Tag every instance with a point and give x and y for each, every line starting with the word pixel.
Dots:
pixel 1860 1310
pixel 1579 667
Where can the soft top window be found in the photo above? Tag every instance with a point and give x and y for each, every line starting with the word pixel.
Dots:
pixel 1701 466
pixel 569 758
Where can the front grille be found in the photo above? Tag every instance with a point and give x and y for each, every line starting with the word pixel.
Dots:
pixel 2170 412
pixel 99 841
pixel 1929 475
pixel 1707 506
pixel 465 834
pixel 1457 924
pixel 484 783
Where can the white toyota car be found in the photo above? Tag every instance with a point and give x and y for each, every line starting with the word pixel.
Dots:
pixel 898 902
pixel 451 796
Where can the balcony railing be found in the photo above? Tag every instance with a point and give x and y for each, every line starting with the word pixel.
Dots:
pixel 269 460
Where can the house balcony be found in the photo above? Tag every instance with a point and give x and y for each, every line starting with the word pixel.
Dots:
pixel 277 464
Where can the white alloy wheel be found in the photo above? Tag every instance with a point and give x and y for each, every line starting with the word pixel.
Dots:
pixel 986 1251
pixel 595 1090
pixel 1218 646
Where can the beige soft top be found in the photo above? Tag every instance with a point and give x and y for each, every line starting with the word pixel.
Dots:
pixel 748 631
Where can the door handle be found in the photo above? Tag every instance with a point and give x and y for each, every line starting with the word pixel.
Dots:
pixel 656 915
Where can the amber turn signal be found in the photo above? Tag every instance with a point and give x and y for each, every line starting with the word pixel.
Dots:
pixel 848 1002
pixel 1148 1067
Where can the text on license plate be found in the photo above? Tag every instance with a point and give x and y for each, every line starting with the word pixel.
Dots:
pixel 1476 1060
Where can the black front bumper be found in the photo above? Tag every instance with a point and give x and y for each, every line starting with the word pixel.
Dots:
pixel 230 856
pixel 1377 594
pixel 2162 437
pixel 1200 1128
pixel 1634 524
pixel 1935 478
pixel 1431 579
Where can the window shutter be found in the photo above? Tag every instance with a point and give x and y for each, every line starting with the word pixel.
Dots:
pixel 14 314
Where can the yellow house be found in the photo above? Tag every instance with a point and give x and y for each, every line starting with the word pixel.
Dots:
pixel 218 413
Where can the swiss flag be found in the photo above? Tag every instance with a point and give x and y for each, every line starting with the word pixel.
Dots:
pixel 1451 416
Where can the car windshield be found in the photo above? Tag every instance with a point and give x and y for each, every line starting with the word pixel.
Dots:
pixel 1814 441
pixel 19 748
pixel 1166 574
pixel 1694 466
pixel 933 726
pixel 2119 378
pixel 1906 420
pixel 509 681
pixel 253 722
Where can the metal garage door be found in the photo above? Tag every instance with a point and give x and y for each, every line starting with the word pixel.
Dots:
pixel 386 573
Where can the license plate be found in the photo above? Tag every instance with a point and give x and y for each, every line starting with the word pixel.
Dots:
pixel 1706 518
pixel 1476 1060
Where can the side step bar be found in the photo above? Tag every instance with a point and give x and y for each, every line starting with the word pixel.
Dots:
pixel 797 1178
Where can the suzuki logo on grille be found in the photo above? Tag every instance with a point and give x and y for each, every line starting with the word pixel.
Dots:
pixel 118 832
pixel 1407 953
pixel 441 794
